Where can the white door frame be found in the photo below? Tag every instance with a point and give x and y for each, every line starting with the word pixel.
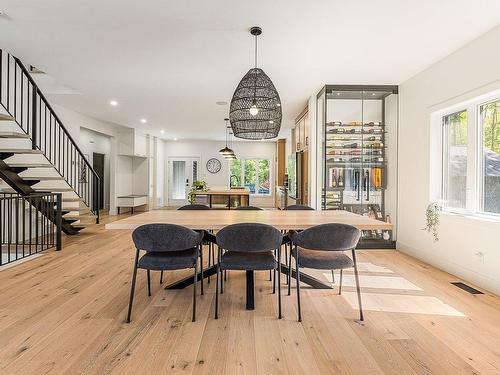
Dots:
pixel 189 177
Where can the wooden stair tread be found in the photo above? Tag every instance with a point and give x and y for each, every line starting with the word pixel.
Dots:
pixel 19 151
pixel 13 135
pixel 28 165
pixel 4 117
pixel 42 178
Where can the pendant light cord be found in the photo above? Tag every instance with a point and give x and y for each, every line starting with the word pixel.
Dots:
pixel 256 51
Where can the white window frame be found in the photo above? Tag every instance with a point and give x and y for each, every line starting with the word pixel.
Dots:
pixel 475 171
pixel 242 177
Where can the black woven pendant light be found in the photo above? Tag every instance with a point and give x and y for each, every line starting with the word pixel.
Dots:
pixel 255 111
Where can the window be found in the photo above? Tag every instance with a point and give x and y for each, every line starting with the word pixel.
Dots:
pixel 251 173
pixel 455 159
pixel 470 157
pixel 489 117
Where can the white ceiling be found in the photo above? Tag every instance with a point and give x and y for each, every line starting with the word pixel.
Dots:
pixel 170 61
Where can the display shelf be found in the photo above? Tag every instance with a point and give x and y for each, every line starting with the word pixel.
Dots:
pixel 354 134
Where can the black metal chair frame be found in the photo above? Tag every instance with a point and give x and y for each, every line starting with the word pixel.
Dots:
pixel 134 278
pixel 297 279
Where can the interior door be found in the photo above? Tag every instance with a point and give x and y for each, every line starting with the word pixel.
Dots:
pixel 181 174
pixel 98 165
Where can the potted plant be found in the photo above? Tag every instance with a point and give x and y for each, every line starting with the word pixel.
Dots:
pixel 196 187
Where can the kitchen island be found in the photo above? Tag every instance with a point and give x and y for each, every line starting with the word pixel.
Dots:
pixel 226 196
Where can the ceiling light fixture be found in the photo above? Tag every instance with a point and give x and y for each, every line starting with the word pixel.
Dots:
pixel 143 120
pixel 226 151
pixel 175 139
pixel 162 131
pixel 221 102
pixel 255 110
pixel 113 103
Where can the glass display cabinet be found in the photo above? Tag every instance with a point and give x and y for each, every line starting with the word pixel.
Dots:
pixel 358 126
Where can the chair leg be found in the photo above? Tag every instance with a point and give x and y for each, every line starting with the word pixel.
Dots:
pixel 270 275
pixel 333 277
pixel 340 283
pixel 221 282
pixel 225 275
pixel 279 285
pixel 297 274
pixel 358 290
pixel 149 283
pixel 217 292
pixel 201 267
pixel 290 271
pixel 274 281
pixel 132 287
pixel 195 281
pixel 161 277
pixel 209 259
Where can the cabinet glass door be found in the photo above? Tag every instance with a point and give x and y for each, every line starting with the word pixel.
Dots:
pixel 182 173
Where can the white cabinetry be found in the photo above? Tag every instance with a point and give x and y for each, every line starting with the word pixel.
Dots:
pixel 132 143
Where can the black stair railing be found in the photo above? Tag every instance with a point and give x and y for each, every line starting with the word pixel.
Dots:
pixel 28 225
pixel 23 100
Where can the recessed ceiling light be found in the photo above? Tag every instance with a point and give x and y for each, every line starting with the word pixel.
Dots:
pixel 338 93
pixel 143 120
pixel 175 139
pixel 373 94
pixel 113 103
pixel 162 131
pixel 221 102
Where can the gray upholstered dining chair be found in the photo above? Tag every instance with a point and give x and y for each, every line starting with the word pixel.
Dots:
pixel 321 247
pixel 292 207
pixel 211 252
pixel 248 247
pixel 168 247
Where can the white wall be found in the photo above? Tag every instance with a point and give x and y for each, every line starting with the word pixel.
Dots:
pixel 471 71
pixel 209 149
pixel 90 142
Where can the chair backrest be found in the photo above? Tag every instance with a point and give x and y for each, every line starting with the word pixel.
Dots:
pixel 298 207
pixel 165 237
pixel 248 208
pixel 249 237
pixel 194 207
pixel 331 237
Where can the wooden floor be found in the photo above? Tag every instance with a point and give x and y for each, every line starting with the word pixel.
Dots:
pixel 64 312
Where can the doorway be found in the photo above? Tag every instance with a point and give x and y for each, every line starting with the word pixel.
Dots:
pixel 98 165
pixel 181 174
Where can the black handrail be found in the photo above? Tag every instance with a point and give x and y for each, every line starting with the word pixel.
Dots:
pixel 23 100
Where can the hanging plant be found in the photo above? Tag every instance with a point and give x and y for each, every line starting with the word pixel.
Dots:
pixel 432 219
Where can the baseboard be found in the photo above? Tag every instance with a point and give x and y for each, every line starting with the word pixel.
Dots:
pixel 453 268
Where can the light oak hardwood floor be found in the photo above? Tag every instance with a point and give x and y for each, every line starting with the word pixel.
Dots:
pixel 64 312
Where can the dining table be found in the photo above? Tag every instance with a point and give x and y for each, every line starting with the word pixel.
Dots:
pixel 214 220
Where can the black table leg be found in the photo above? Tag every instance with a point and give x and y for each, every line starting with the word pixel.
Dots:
pixel 250 290
pixel 210 271
pixel 210 200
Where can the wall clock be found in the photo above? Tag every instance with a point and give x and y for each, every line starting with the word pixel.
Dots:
pixel 214 165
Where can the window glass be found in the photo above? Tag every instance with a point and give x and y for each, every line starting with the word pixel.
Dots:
pixel 264 183
pixel 254 174
pixel 250 175
pixel 455 159
pixel 235 172
pixel 490 159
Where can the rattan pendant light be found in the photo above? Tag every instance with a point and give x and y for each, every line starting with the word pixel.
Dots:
pixel 255 110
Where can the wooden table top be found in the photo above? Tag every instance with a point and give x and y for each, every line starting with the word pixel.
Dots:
pixel 218 219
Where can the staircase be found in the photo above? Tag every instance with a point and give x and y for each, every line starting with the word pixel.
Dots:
pixel 37 153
